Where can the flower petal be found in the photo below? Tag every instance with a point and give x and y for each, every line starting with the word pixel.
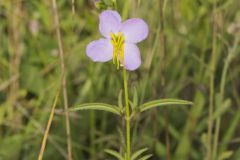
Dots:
pixel 110 21
pixel 100 50
pixel 132 57
pixel 134 30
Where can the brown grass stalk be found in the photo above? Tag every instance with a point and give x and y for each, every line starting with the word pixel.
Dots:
pixel 48 127
pixel 15 50
pixel 63 78
pixel 73 7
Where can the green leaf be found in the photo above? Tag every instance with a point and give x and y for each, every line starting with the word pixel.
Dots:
pixel 138 153
pixel 114 153
pixel 135 98
pixel 97 106
pixel 226 155
pixel 108 2
pixel 163 102
pixel 120 104
pixel 146 157
pixel 131 105
pixel 223 107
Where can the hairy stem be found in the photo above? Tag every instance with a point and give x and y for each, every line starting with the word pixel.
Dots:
pixel 127 113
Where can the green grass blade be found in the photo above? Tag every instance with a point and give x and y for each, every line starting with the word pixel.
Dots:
pixel 146 157
pixel 114 153
pixel 97 106
pixel 138 153
pixel 163 102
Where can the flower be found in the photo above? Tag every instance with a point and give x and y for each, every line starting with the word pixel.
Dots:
pixel 119 42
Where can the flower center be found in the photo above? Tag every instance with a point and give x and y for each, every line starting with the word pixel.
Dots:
pixel 118 48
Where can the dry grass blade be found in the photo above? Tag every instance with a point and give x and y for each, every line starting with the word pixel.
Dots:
pixel 48 127
pixel 73 7
pixel 63 78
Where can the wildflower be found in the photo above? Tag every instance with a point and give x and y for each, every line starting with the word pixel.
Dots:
pixel 119 42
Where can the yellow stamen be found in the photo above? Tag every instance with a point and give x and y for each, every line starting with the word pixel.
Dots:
pixel 118 49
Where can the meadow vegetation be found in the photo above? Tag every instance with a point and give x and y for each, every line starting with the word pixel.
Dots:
pixel 191 53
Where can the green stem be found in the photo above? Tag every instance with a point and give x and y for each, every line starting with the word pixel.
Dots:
pixel 127 114
pixel 222 87
pixel 92 135
pixel 211 90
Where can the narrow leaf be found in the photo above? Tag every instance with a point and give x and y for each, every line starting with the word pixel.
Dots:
pixel 146 157
pixel 97 106
pixel 226 155
pixel 138 153
pixel 120 104
pixel 135 98
pixel 223 107
pixel 114 153
pixel 163 102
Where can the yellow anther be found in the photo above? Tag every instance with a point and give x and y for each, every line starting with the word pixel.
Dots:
pixel 118 49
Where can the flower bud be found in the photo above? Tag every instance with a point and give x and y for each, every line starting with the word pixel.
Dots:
pixel 105 4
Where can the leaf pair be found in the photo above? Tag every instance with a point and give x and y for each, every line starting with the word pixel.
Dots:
pixel 135 156
pixel 118 110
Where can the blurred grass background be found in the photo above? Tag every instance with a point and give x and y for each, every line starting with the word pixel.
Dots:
pixel 192 53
